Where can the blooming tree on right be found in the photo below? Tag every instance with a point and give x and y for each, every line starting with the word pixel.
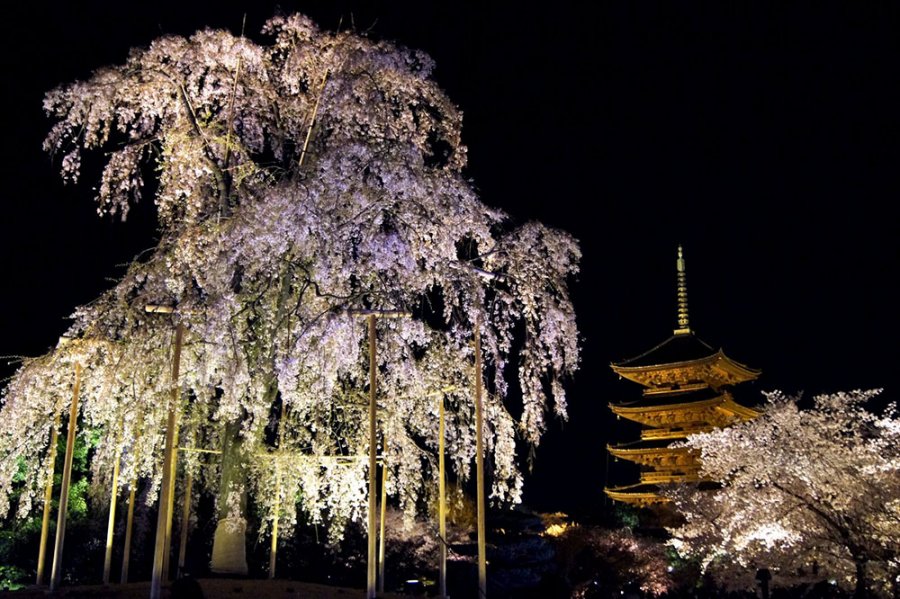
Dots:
pixel 807 493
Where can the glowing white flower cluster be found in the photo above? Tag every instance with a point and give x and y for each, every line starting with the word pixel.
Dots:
pixel 298 181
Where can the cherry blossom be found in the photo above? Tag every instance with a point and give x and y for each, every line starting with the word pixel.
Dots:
pixel 297 180
pixel 809 493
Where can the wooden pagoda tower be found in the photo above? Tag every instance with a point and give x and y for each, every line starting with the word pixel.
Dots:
pixel 686 390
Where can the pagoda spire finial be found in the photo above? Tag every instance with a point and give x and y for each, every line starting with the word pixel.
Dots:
pixel 684 325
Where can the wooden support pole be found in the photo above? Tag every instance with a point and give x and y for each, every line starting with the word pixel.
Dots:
pixel 442 504
pixel 129 523
pixel 273 548
pixel 163 520
pixel 56 568
pixel 48 499
pixel 370 315
pixel 312 120
pixel 129 519
pixel 370 582
pixel 111 524
pixel 167 570
pixel 479 468
pixel 381 526
pixel 185 523
pixel 159 550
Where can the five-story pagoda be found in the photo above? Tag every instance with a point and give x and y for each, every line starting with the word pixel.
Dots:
pixel 686 390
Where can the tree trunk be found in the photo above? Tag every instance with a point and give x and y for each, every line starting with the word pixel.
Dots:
pixel 229 555
pixel 862 587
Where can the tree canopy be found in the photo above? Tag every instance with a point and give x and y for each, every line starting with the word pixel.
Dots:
pixel 297 181
pixel 808 493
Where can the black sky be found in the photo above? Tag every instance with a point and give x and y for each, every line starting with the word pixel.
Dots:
pixel 766 141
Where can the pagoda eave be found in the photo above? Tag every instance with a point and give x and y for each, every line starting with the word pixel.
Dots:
pixel 659 457
pixel 717 370
pixel 716 411
pixel 637 495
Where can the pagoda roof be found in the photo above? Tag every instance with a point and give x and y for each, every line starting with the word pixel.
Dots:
pixel 680 347
pixel 643 494
pixel 668 398
pixel 684 359
pixel 661 458
pixel 640 494
pixel 642 444
pixel 646 448
pixel 715 409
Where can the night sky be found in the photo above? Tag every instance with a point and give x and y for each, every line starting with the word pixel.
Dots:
pixel 767 142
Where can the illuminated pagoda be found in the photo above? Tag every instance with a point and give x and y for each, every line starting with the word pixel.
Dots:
pixel 686 390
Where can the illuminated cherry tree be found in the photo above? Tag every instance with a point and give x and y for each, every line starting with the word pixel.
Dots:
pixel 810 494
pixel 295 183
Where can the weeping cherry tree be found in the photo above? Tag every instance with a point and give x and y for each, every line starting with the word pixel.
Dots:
pixel 296 183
